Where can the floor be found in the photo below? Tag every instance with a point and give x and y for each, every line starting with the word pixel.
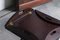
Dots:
pixel 4 33
pixel 51 8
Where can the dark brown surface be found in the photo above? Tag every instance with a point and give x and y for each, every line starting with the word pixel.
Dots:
pixel 31 27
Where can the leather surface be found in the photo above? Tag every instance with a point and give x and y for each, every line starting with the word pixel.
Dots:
pixel 30 27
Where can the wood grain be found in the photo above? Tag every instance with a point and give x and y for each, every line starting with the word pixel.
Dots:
pixel 31 3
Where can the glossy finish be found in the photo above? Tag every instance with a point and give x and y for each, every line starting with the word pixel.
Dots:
pixel 31 3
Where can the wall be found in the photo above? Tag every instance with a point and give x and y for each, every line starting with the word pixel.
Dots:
pixel 5 3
